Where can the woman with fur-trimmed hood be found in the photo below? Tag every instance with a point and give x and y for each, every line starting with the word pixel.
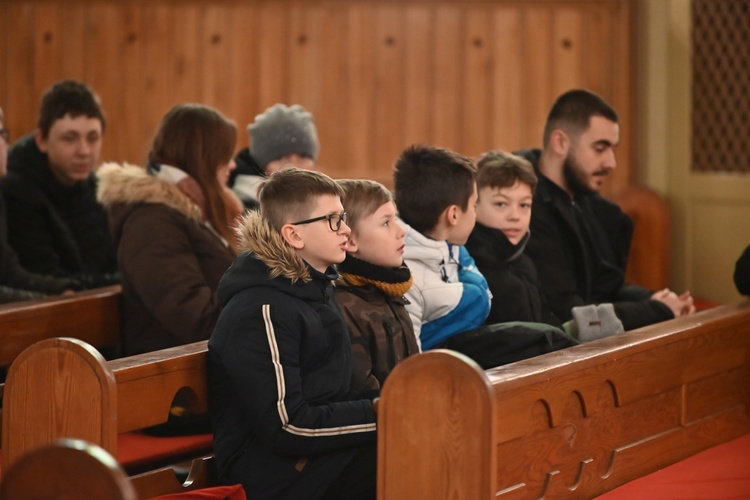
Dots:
pixel 171 224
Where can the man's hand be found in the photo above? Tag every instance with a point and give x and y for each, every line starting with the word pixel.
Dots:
pixel 680 305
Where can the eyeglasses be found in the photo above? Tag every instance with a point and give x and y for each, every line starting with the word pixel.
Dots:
pixel 334 220
pixel 5 134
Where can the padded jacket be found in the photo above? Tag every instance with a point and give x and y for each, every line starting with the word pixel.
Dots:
pixel 171 261
pixel 286 422
pixel 56 229
pixel 573 272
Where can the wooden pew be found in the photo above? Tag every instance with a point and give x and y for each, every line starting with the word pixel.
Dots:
pixel 69 468
pixel 570 424
pixel 91 315
pixel 64 388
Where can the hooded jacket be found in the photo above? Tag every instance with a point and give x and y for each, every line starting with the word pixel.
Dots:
pixel 56 229
pixel 580 248
pixel 511 276
pixel 449 295
pixel 285 423
pixel 171 261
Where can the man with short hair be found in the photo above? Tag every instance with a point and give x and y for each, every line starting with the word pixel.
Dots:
pixel 580 241
pixel 55 223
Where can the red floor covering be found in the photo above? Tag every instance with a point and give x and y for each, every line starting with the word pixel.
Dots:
pixel 721 472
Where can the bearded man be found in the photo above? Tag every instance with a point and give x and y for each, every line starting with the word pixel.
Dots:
pixel 579 240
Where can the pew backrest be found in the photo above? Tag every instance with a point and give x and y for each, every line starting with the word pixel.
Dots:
pixel 92 316
pixel 570 424
pixel 68 468
pixel 64 388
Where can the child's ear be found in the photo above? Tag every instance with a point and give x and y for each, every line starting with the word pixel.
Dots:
pixel 291 236
pixel 451 215
pixel 352 243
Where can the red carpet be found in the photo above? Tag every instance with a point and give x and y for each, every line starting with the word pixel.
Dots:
pixel 721 472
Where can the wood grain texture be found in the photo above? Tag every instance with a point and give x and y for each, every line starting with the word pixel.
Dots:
pixel 378 76
pixel 571 424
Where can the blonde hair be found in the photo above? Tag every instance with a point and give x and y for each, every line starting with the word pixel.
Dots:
pixel 362 198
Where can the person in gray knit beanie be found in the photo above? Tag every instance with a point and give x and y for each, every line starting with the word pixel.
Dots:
pixel 280 132
pixel 280 136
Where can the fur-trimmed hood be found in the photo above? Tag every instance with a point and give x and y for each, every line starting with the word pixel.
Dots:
pixel 267 261
pixel 130 184
pixel 256 235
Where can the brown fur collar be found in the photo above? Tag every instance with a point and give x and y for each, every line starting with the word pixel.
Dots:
pixel 257 236
pixel 132 184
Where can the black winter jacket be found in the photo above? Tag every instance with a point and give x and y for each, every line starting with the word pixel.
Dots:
pixel 285 423
pixel 56 229
pixel 16 283
pixel 512 278
pixel 573 272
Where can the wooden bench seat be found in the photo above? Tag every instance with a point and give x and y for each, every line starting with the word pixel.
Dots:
pixel 64 388
pixel 570 424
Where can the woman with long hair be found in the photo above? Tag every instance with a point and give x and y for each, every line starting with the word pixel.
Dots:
pixel 172 225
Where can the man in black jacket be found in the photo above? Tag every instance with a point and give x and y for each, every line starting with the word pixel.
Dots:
pixel 55 224
pixel 580 241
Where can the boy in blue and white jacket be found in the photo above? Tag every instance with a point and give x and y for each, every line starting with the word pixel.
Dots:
pixel 436 194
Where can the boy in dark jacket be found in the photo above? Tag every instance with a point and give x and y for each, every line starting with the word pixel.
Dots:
pixel 285 422
pixel 373 282
pixel 55 224
pixel 506 184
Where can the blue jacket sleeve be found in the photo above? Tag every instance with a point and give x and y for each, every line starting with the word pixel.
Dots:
pixel 471 310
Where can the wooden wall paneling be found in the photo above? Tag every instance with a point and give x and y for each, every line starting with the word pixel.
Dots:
pixel 600 71
pixel 4 54
pixel 362 97
pixel 328 79
pixel 242 65
pixel 184 51
pixel 447 113
pixel 388 115
pixel 22 103
pixel 568 51
pixel 507 112
pixel 478 84
pixel 620 22
pixel 158 73
pixel 304 39
pixel 537 61
pixel 47 46
pixel 104 72
pixel 215 87
pixel 419 74
pixel 127 104
pixel 74 39
pixel 273 28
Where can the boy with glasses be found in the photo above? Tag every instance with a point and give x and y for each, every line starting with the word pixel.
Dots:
pixel 286 422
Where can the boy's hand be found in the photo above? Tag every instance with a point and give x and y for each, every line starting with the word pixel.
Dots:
pixel 375 404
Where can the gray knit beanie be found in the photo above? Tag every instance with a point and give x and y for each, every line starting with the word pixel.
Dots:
pixel 281 131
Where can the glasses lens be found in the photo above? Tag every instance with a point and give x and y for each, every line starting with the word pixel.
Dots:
pixel 335 220
pixel 5 134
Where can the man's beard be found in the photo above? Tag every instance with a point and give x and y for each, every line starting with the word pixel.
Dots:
pixel 576 178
